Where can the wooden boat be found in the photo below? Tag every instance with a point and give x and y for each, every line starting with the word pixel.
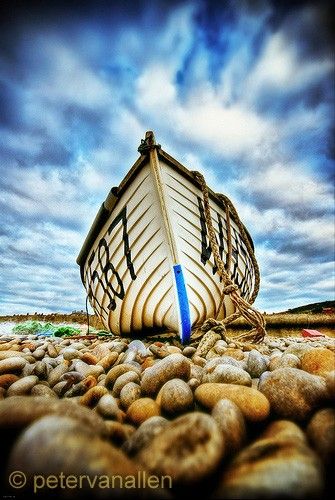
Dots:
pixel 147 262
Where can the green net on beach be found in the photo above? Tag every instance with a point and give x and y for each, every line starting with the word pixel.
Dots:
pixel 40 328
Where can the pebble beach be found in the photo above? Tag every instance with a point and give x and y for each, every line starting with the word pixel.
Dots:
pixel 218 418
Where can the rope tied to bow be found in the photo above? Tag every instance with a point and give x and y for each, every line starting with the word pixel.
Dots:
pixel 242 307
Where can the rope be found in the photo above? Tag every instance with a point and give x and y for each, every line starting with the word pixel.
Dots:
pixel 242 307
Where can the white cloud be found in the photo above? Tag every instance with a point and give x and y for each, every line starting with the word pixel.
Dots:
pixel 279 66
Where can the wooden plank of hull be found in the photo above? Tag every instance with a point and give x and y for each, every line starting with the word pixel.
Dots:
pixel 129 272
pixel 143 302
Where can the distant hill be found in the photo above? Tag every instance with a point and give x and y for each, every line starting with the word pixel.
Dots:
pixel 313 308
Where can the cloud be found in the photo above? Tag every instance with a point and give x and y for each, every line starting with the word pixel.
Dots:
pixel 240 91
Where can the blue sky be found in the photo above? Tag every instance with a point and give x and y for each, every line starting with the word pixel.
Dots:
pixel 242 91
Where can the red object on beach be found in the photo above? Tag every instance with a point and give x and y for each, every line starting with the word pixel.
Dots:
pixel 311 333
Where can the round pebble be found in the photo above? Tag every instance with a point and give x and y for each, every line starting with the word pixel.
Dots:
pixel 172 366
pixel 189 448
pixel 293 393
pixel 175 397
pixel 252 403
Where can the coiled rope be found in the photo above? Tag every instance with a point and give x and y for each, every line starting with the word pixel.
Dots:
pixel 243 308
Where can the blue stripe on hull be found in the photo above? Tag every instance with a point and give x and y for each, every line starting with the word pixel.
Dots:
pixel 184 308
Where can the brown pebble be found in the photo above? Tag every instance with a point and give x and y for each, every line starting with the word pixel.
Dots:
pixel 188 449
pixel 330 384
pixel 13 364
pixel 43 390
pixel 61 387
pixel 306 392
pixel 321 434
pixel 272 467
pixel 89 358
pixel 175 397
pixel 198 360
pixel 92 396
pixel 108 407
pixel 22 386
pixel 319 361
pixel 52 351
pixel 41 370
pixel 285 430
pixel 12 354
pixel 231 423
pixel 122 380
pixel 119 432
pixel 234 353
pixel 56 445
pixel 108 361
pixel 118 370
pixel 56 373
pixel 252 403
pixel 7 379
pixel 129 393
pixel 173 366
pixel 142 409
pixel 19 411
pixel 144 434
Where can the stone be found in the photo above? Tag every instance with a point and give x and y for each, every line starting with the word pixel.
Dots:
pixel 7 379
pixel 256 364
pixel 12 365
pixel 189 449
pixel 285 360
pixel 220 360
pixel 198 360
pixel 56 373
pixel 92 396
pixel 144 435
pixel 142 409
pixel 129 393
pixel 176 397
pixel 330 383
pixel 252 403
pixel 107 361
pixel 321 434
pixel 285 430
pixel 293 393
pixel 43 390
pixel 57 445
pixel 118 370
pixel 17 412
pixel 231 423
pixel 196 372
pixel 235 353
pixel 22 386
pixel 220 347
pixel 173 366
pixel 298 349
pixel 273 467
pixel 119 432
pixel 123 379
pixel 108 407
pixel 189 351
pixel 319 361
pixel 228 374
pixel 207 342
pixel 85 370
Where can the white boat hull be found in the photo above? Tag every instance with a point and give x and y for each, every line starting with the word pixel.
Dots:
pixel 137 279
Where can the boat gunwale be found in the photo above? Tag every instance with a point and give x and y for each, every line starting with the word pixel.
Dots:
pixel 104 213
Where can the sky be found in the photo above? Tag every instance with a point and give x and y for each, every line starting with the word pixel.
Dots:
pixel 242 91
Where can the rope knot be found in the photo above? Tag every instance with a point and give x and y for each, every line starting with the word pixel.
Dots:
pixel 229 289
